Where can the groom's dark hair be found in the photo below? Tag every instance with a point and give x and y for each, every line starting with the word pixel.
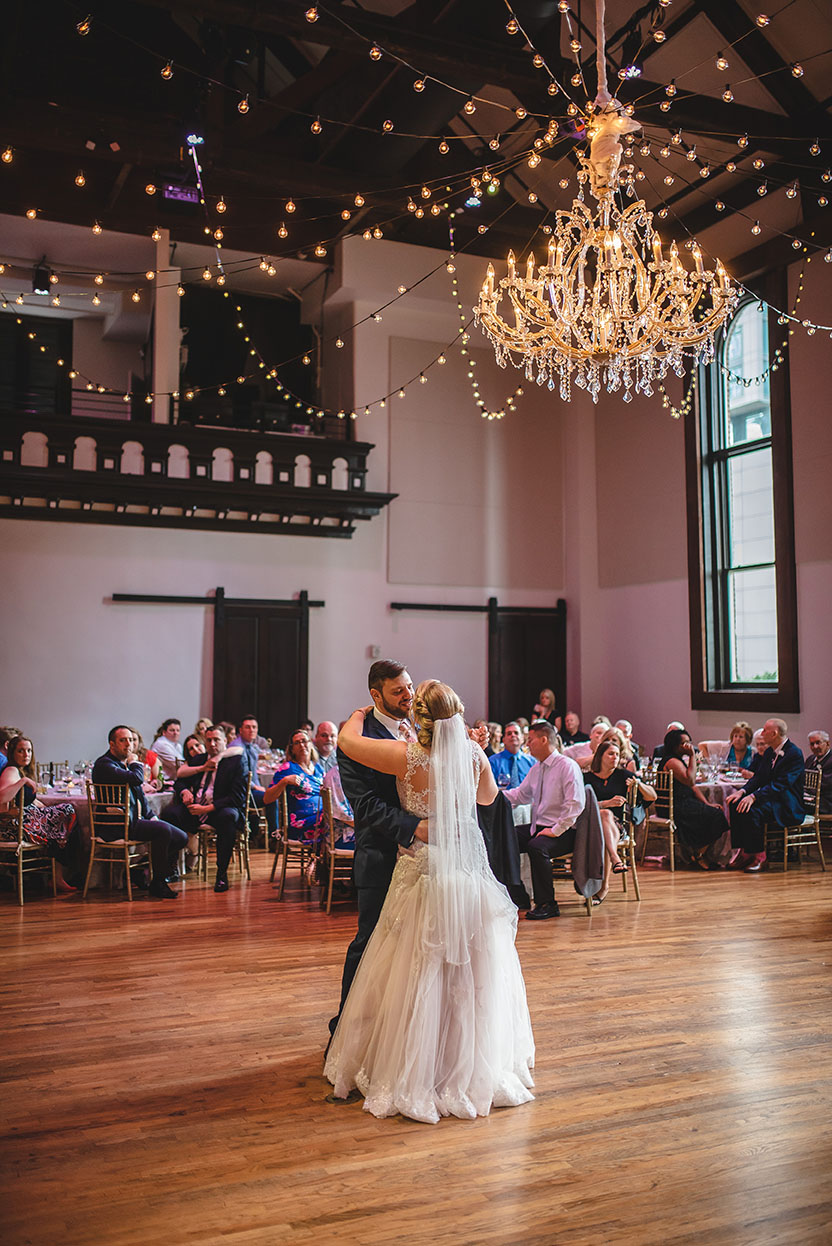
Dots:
pixel 383 670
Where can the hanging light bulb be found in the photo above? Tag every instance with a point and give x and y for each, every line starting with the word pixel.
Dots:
pixel 375 53
pixel 797 70
pixel 243 106
pixel 722 62
pixel 387 126
pixel 150 189
pixel 791 191
pixel 96 301
pixel 742 141
pixel 8 155
pixel 671 88
pixel 136 296
pixel 180 290
pixel 311 14
pixel 512 26
pixel 728 94
pixel 755 228
pixel 282 231
pixel 316 126
pixel 167 71
pixel 814 150
pixel 762 20
pixel 84 26
pixel 469 107
pixel 80 180
pixel 444 148
pixel 419 85
pixel 96 228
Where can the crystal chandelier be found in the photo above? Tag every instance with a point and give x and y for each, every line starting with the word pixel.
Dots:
pixel 608 307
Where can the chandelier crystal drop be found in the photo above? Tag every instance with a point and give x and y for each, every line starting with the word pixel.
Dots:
pixel 608 309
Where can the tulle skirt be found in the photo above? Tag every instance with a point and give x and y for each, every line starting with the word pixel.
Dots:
pixel 427 1038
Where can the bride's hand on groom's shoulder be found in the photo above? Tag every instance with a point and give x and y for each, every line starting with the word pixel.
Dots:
pixel 362 711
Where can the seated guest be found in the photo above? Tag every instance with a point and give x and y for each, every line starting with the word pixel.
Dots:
pixel 523 724
pixel 482 735
pixel 146 756
pixel 167 748
pixel 326 742
pixel 555 789
pixel 495 736
pixel 627 761
pixel 202 725
pixel 54 827
pixel 572 733
pixel 300 776
pixel 583 753
pixel 698 823
pixel 739 753
pixel 216 794
pixel 6 734
pixel 626 728
pixel 230 731
pixel 120 765
pixel 610 781
pixel 773 796
pixel 545 710
pixel 195 752
pixel 821 759
pixel 511 765
pixel 248 741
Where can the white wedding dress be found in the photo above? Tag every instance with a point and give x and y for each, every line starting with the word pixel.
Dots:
pixel 436 1021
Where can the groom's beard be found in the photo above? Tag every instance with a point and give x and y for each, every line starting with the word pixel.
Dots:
pixel 393 709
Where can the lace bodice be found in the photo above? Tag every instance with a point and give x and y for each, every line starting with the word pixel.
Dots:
pixel 414 789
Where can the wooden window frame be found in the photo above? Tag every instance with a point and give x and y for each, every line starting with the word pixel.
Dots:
pixel 751 699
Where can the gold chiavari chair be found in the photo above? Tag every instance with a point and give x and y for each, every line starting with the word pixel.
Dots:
pixel 109 806
pixel 337 862
pixel 805 833
pixel 627 839
pixel 287 849
pixel 660 817
pixel 17 855
pixel 207 835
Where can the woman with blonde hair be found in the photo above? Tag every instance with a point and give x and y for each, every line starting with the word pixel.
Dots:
pixel 436 1021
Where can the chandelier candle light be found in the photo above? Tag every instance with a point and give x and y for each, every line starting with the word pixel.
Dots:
pixel 608 307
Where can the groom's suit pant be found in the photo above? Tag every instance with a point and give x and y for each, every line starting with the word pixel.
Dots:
pixel 370 903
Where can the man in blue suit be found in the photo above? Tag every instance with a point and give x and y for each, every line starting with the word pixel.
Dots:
pixel 381 825
pixel 773 796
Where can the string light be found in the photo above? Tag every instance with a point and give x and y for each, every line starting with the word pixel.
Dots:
pixel 96 229
pixel 167 71
pixel 85 25
pixel 8 155
pixel 243 105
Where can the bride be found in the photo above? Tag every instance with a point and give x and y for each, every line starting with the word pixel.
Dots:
pixel 436 1021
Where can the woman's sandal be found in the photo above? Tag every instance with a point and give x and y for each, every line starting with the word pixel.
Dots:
pixel 620 868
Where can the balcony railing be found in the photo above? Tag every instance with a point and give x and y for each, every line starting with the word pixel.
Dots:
pixel 117 472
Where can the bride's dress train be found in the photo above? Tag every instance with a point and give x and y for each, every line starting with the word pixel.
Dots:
pixel 428 1033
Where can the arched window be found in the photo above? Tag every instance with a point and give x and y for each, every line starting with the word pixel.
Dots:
pixel 740 519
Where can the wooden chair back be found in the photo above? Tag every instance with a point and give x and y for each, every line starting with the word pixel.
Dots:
pixel 109 806
pixel 17 854
pixel 660 815
pixel 802 834
pixel 336 861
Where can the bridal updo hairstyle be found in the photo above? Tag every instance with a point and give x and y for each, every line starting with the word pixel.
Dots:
pixel 432 701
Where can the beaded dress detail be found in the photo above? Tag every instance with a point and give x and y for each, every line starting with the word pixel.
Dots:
pixel 429 1032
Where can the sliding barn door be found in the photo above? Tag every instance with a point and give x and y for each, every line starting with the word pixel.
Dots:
pixel 261 664
pixel 526 652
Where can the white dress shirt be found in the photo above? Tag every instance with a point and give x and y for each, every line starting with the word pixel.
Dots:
pixel 399 728
pixel 556 791
pixel 169 753
pixel 578 752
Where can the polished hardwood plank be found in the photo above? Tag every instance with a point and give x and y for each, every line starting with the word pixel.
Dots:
pixel 161 1068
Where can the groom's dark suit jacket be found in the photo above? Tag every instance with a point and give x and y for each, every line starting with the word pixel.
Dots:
pixel 778 786
pixel 380 822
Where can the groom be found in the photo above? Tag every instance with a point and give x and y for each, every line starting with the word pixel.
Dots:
pixel 381 825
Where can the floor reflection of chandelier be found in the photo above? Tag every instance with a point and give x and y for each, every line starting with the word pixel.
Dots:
pixel 608 308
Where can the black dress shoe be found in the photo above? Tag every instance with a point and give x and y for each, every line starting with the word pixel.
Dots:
pixel 173 877
pixel 542 912
pixel 138 878
pixel 221 884
pixel 161 891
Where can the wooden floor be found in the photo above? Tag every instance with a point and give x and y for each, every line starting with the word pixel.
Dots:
pixel 162 1077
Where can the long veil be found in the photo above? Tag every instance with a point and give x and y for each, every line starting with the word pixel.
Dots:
pixel 458 862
